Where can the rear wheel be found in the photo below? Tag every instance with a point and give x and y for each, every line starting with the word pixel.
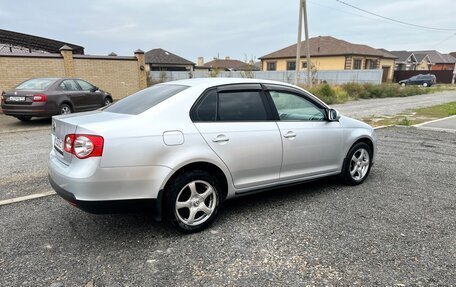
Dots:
pixel 193 200
pixel 425 84
pixel 357 164
pixel 65 109
pixel 24 118
pixel 403 84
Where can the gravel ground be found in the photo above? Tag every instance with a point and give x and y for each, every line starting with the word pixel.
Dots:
pixel 397 229
pixel 23 169
pixel 393 106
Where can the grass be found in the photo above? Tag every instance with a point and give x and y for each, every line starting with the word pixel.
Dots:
pixel 415 116
pixel 339 94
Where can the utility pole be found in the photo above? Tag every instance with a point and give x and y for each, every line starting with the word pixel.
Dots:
pixel 303 12
pixel 298 48
pixel 306 31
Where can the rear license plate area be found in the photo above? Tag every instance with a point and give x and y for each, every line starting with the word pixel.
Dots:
pixel 58 145
pixel 16 99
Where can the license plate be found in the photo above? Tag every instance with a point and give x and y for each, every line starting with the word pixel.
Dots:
pixel 58 144
pixel 16 99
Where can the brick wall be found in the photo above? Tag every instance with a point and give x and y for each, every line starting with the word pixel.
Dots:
pixel 121 76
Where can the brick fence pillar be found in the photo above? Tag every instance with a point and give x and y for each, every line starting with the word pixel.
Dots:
pixel 68 63
pixel 141 60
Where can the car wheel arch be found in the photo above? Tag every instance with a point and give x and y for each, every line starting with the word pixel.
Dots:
pixel 365 140
pixel 66 102
pixel 204 166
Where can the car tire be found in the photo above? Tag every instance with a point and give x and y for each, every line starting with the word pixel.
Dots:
pixel 425 84
pixel 402 84
pixel 193 200
pixel 107 101
pixel 357 164
pixel 65 109
pixel 24 118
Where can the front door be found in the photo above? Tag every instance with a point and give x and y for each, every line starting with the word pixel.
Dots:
pixel 312 145
pixel 239 128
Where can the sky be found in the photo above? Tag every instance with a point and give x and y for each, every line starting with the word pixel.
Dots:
pixel 241 29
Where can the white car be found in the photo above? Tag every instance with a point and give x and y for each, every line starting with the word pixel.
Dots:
pixel 184 147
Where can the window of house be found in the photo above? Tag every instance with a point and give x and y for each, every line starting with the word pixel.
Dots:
pixel 357 64
pixel 241 106
pixel 292 107
pixel 291 66
pixel 304 65
pixel 272 66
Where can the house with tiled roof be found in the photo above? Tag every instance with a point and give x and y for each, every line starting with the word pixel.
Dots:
pixel 329 53
pixel 162 60
pixel 438 61
pixel 226 64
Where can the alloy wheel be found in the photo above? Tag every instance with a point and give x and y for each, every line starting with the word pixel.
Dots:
pixel 64 110
pixel 359 164
pixel 196 202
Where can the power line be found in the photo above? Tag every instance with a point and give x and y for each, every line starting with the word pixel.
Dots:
pixel 394 20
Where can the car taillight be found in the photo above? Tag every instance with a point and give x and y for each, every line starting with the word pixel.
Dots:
pixel 39 97
pixel 84 146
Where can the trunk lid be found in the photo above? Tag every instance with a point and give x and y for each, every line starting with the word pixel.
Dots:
pixel 20 97
pixel 82 123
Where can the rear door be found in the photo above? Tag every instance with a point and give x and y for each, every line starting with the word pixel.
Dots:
pixel 93 97
pixel 312 145
pixel 237 123
pixel 71 89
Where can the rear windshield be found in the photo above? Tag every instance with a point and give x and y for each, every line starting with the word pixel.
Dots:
pixel 144 99
pixel 36 84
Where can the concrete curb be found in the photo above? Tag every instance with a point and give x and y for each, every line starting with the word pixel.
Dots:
pixel 433 121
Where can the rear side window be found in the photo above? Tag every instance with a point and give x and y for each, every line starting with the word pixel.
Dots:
pixel 145 99
pixel 69 85
pixel 206 110
pixel 35 84
pixel 241 106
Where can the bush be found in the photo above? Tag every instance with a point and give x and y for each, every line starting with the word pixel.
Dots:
pixel 353 91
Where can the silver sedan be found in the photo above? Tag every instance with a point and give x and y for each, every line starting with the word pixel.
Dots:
pixel 184 147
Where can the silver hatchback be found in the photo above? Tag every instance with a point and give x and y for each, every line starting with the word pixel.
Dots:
pixel 184 147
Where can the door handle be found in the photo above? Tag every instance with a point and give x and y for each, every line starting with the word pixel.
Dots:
pixel 220 139
pixel 289 135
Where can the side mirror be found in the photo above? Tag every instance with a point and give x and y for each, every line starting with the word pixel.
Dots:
pixel 333 115
pixel 94 89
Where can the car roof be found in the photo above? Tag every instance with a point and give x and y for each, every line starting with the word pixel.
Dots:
pixel 212 82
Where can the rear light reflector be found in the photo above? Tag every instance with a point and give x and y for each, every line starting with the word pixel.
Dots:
pixel 39 97
pixel 84 146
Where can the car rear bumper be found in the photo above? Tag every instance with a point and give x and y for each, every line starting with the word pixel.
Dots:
pixel 87 181
pixel 33 110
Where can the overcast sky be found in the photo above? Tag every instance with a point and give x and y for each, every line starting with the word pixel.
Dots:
pixel 237 28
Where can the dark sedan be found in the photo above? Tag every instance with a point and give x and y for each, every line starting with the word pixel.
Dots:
pixel 421 80
pixel 45 97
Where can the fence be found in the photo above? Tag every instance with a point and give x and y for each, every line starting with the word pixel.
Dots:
pixel 443 77
pixel 119 75
pixel 331 77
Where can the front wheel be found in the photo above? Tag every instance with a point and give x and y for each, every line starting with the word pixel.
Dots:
pixel 425 84
pixel 193 200
pixel 357 164
pixel 107 101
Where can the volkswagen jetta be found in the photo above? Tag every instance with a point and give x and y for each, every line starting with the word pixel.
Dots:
pixel 184 147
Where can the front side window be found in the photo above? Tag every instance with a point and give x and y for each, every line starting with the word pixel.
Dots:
pixel 241 106
pixel 85 86
pixel 291 66
pixel 271 66
pixel 145 99
pixel 292 107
